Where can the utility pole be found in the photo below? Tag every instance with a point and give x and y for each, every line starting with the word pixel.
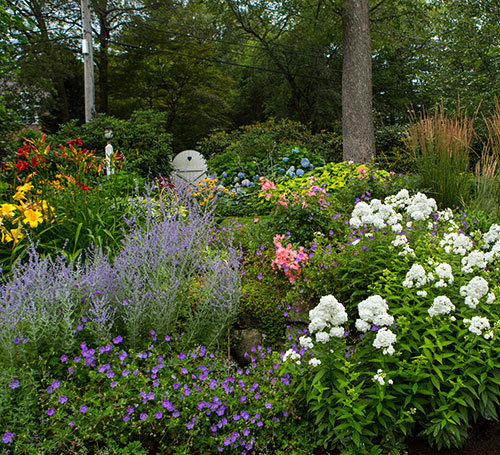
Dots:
pixel 88 60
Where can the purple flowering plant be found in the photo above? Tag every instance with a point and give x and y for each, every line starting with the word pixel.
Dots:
pixel 193 399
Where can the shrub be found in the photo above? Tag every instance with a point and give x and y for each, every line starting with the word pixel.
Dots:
pixel 142 140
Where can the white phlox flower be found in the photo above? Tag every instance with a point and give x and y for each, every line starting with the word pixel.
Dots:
pixel 291 354
pixel 477 324
pixel 322 337
pixel 420 207
pixel 416 277
pixel 475 258
pixel 422 293
pixel 492 236
pixel 373 310
pixel 474 291
pixel 306 342
pixel 314 362
pixel 491 298
pixel 384 340
pixel 456 243
pixel 328 314
pixel 445 275
pixel 399 200
pixel 441 305
pixel 375 213
pixel 379 377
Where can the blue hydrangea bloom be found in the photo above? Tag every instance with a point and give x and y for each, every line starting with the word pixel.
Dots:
pixel 224 174
pixel 300 172
pixel 241 175
pixel 296 150
pixel 304 162
pixel 285 160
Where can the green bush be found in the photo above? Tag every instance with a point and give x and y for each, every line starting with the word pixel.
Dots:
pixel 142 140
pixel 267 139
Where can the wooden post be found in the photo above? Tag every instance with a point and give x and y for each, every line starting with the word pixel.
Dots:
pixel 88 60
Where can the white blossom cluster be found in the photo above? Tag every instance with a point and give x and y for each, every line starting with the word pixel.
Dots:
pixel 380 378
pixel 475 258
pixel 375 213
pixel 306 342
pixel 441 305
pixel 314 362
pixel 415 277
pixel 402 240
pixel 420 207
pixel 384 340
pixel 492 236
pixel 445 275
pixel 329 315
pixel 373 310
pixel 456 243
pixel 477 324
pixel 292 355
pixel 380 214
pixel 475 290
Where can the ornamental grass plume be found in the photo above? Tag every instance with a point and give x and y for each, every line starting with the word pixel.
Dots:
pixel 440 148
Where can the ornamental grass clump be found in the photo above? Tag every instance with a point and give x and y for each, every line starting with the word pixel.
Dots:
pixel 440 148
pixel 420 346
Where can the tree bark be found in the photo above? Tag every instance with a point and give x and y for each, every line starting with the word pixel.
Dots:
pixel 357 118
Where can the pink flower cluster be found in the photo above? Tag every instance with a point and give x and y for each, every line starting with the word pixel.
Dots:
pixel 267 187
pixel 288 259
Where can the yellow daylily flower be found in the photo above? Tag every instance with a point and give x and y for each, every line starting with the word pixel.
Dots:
pixel 7 210
pixel 12 235
pixel 24 188
pixel 19 196
pixel 32 217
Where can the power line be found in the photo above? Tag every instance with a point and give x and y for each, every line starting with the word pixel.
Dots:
pixel 223 62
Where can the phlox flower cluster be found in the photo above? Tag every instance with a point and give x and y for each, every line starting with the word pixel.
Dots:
pixel 373 310
pixel 457 243
pixel 475 259
pixel 441 305
pixel 445 275
pixel 384 340
pixel 288 259
pixel 380 214
pixel 380 377
pixel 327 319
pixel 477 325
pixel 476 289
pixel 415 277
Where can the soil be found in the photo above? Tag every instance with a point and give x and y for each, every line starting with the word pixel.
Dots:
pixel 484 439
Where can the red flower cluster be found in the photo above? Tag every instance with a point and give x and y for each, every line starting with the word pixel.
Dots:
pixel 74 142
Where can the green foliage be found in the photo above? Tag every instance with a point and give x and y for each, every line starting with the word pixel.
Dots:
pixel 437 382
pixel 142 140
pixel 159 401
pixel 266 140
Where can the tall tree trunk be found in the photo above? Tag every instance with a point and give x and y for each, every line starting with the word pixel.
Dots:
pixel 357 119
pixel 103 77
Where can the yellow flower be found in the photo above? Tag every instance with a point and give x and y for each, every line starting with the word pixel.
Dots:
pixel 19 196
pixel 32 217
pixel 12 235
pixel 7 210
pixel 24 188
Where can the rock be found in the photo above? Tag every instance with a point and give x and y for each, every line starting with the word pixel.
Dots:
pixel 243 342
